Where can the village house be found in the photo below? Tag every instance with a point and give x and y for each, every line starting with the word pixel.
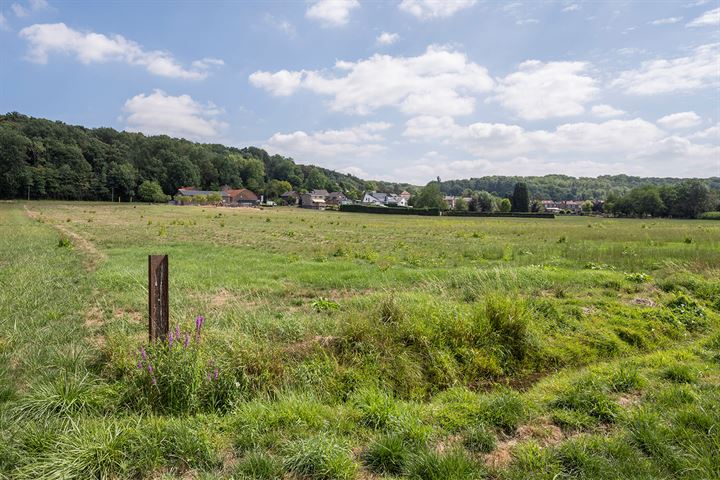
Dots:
pixel 384 199
pixel 337 198
pixel 241 197
pixel 314 199
pixel 291 197
pixel 451 201
pixel 552 206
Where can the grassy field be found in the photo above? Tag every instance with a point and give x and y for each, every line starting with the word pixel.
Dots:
pixel 342 345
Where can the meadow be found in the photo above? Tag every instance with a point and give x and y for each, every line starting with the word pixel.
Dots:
pixel 327 345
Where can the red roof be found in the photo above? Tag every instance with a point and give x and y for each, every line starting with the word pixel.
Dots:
pixel 242 194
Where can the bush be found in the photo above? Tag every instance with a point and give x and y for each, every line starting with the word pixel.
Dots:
pixel 152 192
pixel 709 216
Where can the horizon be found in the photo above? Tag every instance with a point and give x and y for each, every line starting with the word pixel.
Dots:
pixel 399 92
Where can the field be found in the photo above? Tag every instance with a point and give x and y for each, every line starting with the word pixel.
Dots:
pixel 343 345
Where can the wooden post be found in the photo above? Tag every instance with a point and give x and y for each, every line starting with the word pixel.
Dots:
pixel 159 321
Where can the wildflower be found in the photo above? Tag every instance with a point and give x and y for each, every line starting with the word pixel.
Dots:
pixel 187 340
pixel 215 374
pixel 143 354
pixel 177 332
pixel 170 340
pixel 154 381
pixel 198 325
pixel 150 369
pixel 140 365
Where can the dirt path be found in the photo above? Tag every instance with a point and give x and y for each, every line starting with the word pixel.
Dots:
pixel 91 255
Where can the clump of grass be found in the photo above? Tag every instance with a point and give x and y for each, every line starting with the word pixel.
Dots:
pixel 587 397
pixel 480 439
pixel 259 465
pixel 377 408
pixel 454 465
pixel 64 242
pixel 387 455
pixel 625 379
pixel 509 327
pixel 324 305
pixel 680 373
pixel 320 457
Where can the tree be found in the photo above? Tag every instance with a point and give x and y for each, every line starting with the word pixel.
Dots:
pixel 316 180
pixel 520 198
pixel 277 187
pixel 430 197
pixel 150 191
pixel 587 207
pixel 482 201
pixel 122 178
pixel 536 206
pixel 505 206
pixel 461 205
pixel 692 199
pixel 181 172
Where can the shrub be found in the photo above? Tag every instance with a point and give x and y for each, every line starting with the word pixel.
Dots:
pixel 387 454
pixel 152 192
pixel 320 457
pixel 709 216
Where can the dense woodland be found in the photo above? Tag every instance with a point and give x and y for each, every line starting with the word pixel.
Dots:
pixel 46 159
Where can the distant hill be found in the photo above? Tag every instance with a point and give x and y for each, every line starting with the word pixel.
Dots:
pixel 53 160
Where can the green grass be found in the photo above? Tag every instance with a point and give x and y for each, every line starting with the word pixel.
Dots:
pixel 357 346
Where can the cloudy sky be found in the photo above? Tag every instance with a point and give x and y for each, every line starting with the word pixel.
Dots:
pixel 401 90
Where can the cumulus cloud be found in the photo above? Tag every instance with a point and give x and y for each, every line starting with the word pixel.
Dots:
pixel 90 47
pixel 630 146
pixel 359 141
pixel 177 116
pixel 711 134
pixel 438 82
pixel 545 90
pixel 605 111
pixel 711 18
pixel 680 120
pixel 692 72
pixel 426 9
pixel 386 38
pixel 332 13
pixel 280 84
pixel 666 21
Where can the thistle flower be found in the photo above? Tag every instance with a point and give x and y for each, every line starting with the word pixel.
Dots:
pixel 140 365
pixel 199 320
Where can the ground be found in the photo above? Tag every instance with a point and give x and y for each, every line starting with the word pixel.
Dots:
pixel 343 345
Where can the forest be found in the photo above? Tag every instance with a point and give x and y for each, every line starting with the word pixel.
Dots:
pixel 44 159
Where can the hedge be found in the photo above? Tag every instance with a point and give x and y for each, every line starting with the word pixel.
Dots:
pixel 455 213
pixel 432 212
pixel 709 216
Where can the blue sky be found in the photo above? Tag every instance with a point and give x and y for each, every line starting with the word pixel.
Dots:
pixel 403 90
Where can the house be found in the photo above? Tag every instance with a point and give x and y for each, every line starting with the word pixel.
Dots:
pixel 383 199
pixel 241 197
pixel 320 193
pixel 552 206
pixel 313 200
pixel 190 192
pixel 336 198
pixel 406 195
pixel 451 200
pixel 291 197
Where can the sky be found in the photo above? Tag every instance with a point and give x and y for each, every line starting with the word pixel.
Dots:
pixel 401 90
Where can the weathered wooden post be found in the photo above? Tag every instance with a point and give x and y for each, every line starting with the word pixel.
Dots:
pixel 158 304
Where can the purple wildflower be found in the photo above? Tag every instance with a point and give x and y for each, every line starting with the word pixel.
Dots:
pixel 140 365
pixel 150 369
pixel 215 374
pixel 187 340
pixel 177 332
pixel 143 354
pixel 170 339
pixel 154 381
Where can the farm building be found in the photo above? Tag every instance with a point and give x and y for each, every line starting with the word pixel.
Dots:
pixel 242 197
pixel 313 200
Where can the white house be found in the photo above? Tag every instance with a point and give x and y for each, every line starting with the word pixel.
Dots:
pixel 384 199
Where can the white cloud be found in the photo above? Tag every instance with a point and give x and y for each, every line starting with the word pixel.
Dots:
pixel 605 111
pixel 573 7
pixel 666 21
pixel 181 116
pixel 280 84
pixel 711 18
pixel 281 24
pixel 3 22
pixel 359 141
pixel 207 63
pixel 680 120
pixel 438 82
pixel 544 90
pixel 614 146
pixel 695 71
pixel 527 21
pixel 332 13
pixel 33 6
pixel 386 38
pixel 425 9
pixel 710 134
pixel 90 47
